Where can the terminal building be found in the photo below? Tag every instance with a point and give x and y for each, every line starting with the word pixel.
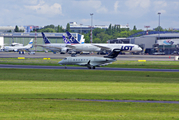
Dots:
pixel 80 28
pixel 164 43
pixel 153 42
pixel 24 38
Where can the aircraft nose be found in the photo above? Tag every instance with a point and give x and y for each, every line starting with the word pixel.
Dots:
pixel 140 48
pixel 60 62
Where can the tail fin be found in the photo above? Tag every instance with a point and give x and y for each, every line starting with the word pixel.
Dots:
pixel 30 44
pixel 31 41
pixel 71 38
pixel 113 54
pixel 69 35
pixel 82 40
pixel 46 41
pixel 65 40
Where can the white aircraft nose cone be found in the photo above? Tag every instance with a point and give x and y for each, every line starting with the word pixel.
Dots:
pixel 60 62
pixel 140 49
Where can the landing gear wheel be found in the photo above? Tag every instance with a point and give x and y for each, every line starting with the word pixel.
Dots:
pixel 93 67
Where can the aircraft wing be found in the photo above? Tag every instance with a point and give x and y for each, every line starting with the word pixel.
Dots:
pixel 71 46
pixel 55 47
pixel 85 64
pixel 47 47
pixel 95 64
pixel 103 47
pixel 91 63
pixel 40 45
pixel 82 64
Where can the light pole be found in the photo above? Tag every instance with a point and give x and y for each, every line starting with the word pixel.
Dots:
pixel 35 37
pixel 91 39
pixel 159 26
pixel 159 31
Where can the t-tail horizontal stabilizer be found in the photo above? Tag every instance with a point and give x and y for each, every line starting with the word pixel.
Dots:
pixel 113 54
pixel 46 41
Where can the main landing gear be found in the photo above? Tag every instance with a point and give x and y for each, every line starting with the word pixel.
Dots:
pixel 91 67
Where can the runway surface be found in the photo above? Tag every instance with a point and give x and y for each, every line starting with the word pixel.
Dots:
pixel 135 101
pixel 85 68
pixel 61 56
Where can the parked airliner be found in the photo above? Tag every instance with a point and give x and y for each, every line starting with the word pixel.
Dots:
pixel 19 47
pixel 101 47
pixel 54 47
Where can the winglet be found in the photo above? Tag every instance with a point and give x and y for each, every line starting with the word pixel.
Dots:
pixel 31 41
pixel 46 41
pixel 88 62
pixel 113 54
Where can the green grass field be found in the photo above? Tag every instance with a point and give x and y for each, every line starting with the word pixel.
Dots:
pixel 55 94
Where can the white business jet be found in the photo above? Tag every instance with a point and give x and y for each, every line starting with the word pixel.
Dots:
pixel 91 62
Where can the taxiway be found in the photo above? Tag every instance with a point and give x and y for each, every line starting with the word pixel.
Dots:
pixel 61 56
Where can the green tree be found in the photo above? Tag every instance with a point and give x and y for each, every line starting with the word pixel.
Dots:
pixel 68 27
pixel 124 34
pixel 134 28
pixel 9 31
pixel 97 31
pixel 118 28
pixel 158 28
pixel 96 40
pixel 103 37
pixel 87 38
pixel 49 26
pixel 16 29
pixel 60 29
pixel 109 30
pixel 47 30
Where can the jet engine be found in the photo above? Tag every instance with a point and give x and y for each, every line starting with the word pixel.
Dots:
pixel 64 50
pixel 15 50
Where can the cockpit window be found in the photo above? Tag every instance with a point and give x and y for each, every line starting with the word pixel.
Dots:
pixel 65 59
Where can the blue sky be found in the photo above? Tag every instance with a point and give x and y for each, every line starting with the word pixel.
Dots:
pixel 59 12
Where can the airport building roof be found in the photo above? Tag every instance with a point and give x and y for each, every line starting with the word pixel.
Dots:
pixel 162 35
pixel 18 34
pixel 86 28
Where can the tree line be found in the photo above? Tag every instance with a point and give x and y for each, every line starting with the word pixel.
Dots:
pixel 112 32
pixel 99 35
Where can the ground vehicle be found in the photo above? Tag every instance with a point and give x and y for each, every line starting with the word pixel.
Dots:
pixel 31 53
